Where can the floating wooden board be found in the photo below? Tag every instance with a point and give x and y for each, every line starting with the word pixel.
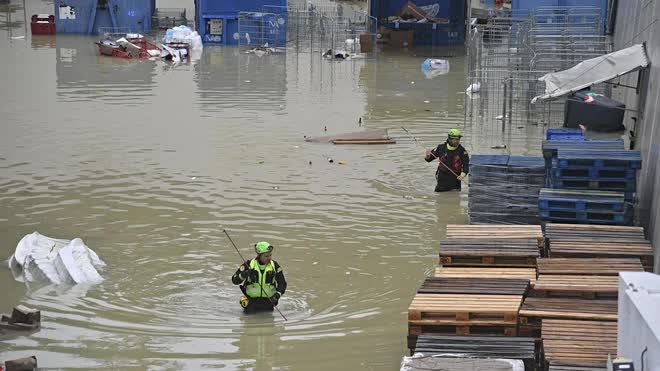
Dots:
pixel 365 141
pixel 558 285
pixel 487 272
pixel 487 286
pixel 584 343
pixel 588 266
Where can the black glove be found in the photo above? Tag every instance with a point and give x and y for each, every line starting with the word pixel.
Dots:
pixel 249 273
pixel 276 298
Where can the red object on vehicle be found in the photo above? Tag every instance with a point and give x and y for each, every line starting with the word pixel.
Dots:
pixel 43 24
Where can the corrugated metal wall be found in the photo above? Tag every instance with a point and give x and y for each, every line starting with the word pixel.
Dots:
pixel 637 21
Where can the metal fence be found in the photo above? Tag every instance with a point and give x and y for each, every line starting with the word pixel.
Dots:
pixel 308 27
pixel 164 18
pixel 507 56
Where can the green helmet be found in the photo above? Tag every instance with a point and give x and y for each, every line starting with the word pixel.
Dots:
pixel 455 133
pixel 263 247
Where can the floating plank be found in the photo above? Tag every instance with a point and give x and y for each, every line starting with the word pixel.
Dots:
pixel 365 141
pixel 585 343
pixel 574 285
pixel 489 286
pixel 487 272
pixel 495 232
pixel 534 310
pixel 522 348
pixel 588 266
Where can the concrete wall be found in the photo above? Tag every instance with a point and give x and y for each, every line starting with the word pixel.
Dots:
pixel 639 322
pixel 637 22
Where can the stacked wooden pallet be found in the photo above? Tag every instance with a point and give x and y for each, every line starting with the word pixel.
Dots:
pixel 483 252
pixel 588 266
pixel 572 344
pixel 485 273
pixel 492 232
pixel 466 306
pixel 581 241
pixel 521 348
pixel 534 310
pixel 464 314
pixel 588 287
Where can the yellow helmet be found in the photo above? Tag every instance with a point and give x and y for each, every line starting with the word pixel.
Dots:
pixel 455 133
pixel 263 247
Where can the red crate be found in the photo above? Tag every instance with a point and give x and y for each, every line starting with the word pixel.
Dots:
pixel 43 24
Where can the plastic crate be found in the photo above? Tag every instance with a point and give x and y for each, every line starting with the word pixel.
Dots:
pixel 42 24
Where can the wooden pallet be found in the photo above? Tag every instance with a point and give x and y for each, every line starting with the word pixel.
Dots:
pixel 588 287
pixel 487 272
pixel 588 266
pixel 478 252
pixel 573 232
pixel 534 310
pixel 585 343
pixel 463 314
pixel 601 249
pixel 496 232
pixel 559 366
pixel 487 286
pixel 522 348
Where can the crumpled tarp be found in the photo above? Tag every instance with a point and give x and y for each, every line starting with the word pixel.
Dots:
pixel 593 71
pixel 41 258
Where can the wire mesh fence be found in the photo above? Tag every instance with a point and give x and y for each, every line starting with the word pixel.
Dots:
pixel 508 55
pixel 308 27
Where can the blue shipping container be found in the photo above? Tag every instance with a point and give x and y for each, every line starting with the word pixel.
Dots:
pixel 87 16
pixel 217 20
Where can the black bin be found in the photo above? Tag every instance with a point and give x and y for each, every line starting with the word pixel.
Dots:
pixel 595 111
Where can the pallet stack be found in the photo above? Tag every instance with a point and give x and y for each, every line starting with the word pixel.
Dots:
pixel 499 282
pixel 598 241
pixel 484 275
pixel 584 206
pixel 589 181
pixel 504 189
pixel 564 134
pixel 573 304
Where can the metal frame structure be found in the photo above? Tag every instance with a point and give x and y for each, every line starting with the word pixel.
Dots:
pixel 508 55
pixel 313 26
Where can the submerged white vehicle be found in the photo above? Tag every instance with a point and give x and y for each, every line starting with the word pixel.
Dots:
pixel 40 258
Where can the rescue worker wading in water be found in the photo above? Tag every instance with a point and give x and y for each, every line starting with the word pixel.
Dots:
pixel 261 279
pixel 452 154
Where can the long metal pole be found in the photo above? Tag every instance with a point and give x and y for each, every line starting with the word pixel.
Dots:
pixel 245 262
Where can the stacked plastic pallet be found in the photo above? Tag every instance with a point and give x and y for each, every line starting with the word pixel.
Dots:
pixel 504 189
pixel 587 181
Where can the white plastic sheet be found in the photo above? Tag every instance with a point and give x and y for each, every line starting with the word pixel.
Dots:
pixel 41 258
pixel 593 71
